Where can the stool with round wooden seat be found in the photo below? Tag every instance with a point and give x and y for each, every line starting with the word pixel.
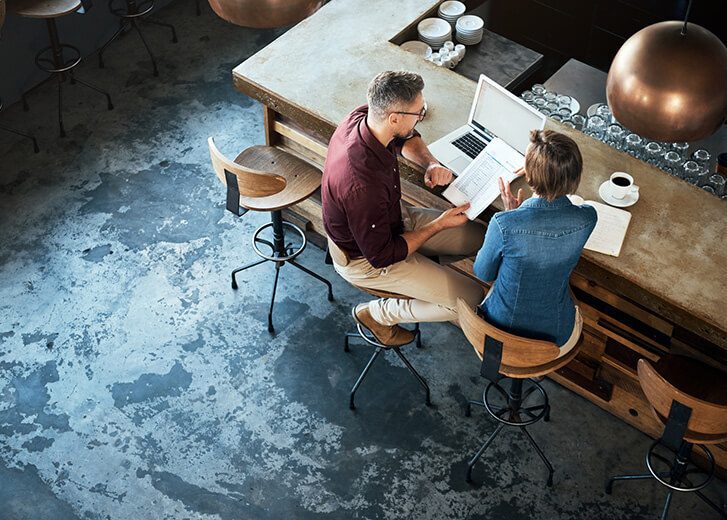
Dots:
pixel 507 356
pixel 264 178
pixel 131 14
pixel 341 258
pixel 58 59
pixel 690 399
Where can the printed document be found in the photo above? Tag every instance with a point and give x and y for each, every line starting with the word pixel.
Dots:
pixel 610 231
pixel 477 184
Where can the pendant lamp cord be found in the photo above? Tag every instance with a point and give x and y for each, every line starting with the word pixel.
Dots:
pixel 686 17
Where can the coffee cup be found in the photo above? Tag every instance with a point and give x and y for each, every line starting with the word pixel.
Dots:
pixel 621 184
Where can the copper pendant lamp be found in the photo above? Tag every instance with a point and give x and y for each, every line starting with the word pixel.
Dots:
pixel 262 14
pixel 668 82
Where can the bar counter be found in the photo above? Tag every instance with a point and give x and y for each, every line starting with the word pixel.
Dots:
pixel 666 292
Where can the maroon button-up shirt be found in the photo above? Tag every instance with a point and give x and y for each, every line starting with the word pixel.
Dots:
pixel 361 192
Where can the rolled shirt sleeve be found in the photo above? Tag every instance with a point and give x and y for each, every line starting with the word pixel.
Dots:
pixel 369 222
pixel 489 258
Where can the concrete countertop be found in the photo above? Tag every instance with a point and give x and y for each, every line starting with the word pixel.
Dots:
pixel 675 246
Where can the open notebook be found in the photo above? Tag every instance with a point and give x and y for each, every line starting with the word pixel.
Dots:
pixel 608 235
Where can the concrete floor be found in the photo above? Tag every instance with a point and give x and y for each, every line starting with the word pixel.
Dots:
pixel 134 383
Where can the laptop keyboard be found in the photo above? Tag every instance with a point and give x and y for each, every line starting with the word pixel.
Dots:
pixel 470 145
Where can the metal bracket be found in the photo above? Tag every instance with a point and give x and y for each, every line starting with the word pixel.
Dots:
pixel 233 195
pixel 676 425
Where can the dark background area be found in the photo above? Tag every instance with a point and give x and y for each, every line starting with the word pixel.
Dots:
pixel 592 31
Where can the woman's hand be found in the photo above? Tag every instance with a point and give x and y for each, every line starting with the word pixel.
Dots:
pixel 508 199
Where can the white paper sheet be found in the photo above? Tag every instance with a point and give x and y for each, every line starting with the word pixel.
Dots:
pixel 477 184
pixel 610 231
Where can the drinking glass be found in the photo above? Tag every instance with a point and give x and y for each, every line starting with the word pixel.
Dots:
pixel 550 97
pixel 615 136
pixel 556 117
pixel 569 124
pixel 717 182
pixel 691 171
pixel 653 153
pixel 563 101
pixel 539 103
pixel 551 108
pixel 702 157
pixel 596 127
pixel 604 112
pixel 672 161
pixel 538 89
pixel 564 112
pixel 702 176
pixel 528 96
pixel 634 145
pixel 681 149
pixel 578 121
pixel 709 189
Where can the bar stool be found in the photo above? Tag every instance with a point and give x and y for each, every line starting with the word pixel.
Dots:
pixel 133 13
pixel 689 399
pixel 58 59
pixel 361 333
pixel 264 178
pixel 17 132
pixel 507 356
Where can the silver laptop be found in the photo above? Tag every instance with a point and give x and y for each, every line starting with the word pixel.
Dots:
pixel 495 113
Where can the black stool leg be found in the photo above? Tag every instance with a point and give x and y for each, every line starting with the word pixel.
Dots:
pixel 482 449
pixel 541 455
pixel 271 329
pixel 199 11
pixel 148 49
pixel 609 483
pixel 667 503
pixel 248 266
pixel 122 27
pixel 347 337
pixel 162 24
pixel 316 276
pixel 419 335
pixel 110 105
pixel 28 136
pixel 360 379
pixel 419 378
pixel 468 409
pixel 711 504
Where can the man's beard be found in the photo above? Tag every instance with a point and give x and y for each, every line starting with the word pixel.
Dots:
pixel 407 136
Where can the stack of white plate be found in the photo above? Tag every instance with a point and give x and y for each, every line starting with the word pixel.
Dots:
pixel 434 32
pixel 470 29
pixel 451 11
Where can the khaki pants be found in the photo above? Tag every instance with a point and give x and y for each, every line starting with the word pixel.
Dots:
pixel 434 288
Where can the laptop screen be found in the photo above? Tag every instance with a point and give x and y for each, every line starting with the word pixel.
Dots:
pixel 497 111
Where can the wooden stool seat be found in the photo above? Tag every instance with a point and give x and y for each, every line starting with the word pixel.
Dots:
pixel 301 179
pixel 694 384
pixel 44 8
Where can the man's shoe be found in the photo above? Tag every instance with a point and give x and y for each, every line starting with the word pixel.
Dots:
pixel 391 336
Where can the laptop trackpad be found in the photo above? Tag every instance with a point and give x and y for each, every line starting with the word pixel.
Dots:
pixel 460 163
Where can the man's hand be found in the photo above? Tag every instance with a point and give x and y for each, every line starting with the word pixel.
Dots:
pixel 453 217
pixel 437 175
pixel 508 199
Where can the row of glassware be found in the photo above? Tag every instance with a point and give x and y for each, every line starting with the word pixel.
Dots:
pixel 674 158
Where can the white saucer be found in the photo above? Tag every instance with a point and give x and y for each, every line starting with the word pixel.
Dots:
pixel 628 200
pixel 575 106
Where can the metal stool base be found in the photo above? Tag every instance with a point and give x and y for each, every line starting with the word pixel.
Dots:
pixel 281 254
pixel 371 340
pixel 512 415
pixel 676 478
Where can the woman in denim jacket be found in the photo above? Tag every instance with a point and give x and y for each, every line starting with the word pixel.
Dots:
pixel 532 247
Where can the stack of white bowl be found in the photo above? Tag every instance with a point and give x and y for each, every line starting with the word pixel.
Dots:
pixel 470 29
pixel 434 32
pixel 451 11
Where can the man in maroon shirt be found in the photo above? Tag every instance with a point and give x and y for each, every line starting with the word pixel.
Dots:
pixel 375 241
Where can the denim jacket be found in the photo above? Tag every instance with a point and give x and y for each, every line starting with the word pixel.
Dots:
pixel 530 253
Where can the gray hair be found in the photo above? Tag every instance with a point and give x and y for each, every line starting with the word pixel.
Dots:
pixel 389 90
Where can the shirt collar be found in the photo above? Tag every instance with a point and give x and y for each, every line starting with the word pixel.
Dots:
pixel 540 202
pixel 384 153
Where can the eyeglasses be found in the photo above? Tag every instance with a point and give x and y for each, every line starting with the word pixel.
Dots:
pixel 421 114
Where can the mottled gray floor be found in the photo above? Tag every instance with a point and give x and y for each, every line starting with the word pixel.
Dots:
pixel 134 383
